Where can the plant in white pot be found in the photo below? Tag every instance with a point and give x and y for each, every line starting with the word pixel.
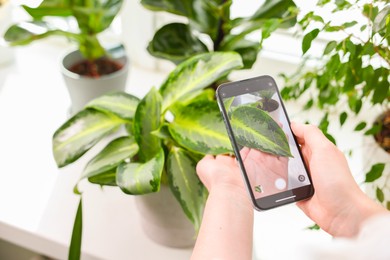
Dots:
pixel 163 136
pixel 91 70
pixel 161 139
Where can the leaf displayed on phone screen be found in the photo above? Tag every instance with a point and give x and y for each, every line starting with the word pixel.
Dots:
pixel 254 128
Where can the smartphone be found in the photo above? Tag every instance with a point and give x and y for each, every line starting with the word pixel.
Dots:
pixel 266 149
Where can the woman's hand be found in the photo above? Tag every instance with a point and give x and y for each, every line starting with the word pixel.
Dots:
pixel 338 205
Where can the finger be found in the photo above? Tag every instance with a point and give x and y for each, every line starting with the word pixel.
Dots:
pixel 309 134
pixel 224 159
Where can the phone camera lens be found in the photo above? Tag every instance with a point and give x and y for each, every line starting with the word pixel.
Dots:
pixel 223 94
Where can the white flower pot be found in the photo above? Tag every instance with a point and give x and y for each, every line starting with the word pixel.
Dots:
pixel 83 89
pixel 164 221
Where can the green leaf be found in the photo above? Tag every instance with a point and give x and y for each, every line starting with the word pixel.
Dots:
pixel 162 132
pixel 107 178
pixel 95 16
pixel 375 172
pixel 376 128
pixel 248 51
pixel 185 184
pixel 330 47
pixel 175 42
pixel 269 27
pixel 179 7
pixel 75 243
pixel 141 178
pixel 111 156
pixel 121 104
pixel 380 195
pixel 254 128
pixel 343 117
pixel 199 128
pixel 388 205
pixel 330 138
pixel 26 32
pixel 275 9
pixel 197 73
pixel 148 119
pixel 50 8
pixel 349 24
pixel 360 126
pixel 80 133
pixel 381 91
pixel 307 40
pixel 314 227
pixel 351 47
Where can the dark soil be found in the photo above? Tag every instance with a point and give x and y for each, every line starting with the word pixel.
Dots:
pixel 97 68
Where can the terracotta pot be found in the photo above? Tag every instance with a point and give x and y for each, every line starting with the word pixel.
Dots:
pixel 83 89
pixel 164 221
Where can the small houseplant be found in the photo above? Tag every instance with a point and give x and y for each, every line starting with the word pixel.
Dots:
pixel 91 63
pixel 166 134
pixel 352 77
pixel 209 27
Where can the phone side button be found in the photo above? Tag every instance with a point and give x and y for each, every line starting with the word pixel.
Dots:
pixel 287 198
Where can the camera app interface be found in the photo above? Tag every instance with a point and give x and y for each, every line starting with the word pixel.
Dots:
pixel 270 155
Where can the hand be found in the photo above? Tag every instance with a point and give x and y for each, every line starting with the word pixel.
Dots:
pixel 338 205
pixel 228 215
pixel 221 170
pixel 264 170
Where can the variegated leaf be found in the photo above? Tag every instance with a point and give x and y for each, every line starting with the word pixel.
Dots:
pixel 111 156
pixel 141 178
pixel 119 103
pixel 199 127
pixel 254 128
pixel 107 178
pixel 185 184
pixel 80 133
pixel 197 73
pixel 148 119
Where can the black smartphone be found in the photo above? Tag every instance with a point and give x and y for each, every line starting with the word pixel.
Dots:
pixel 266 149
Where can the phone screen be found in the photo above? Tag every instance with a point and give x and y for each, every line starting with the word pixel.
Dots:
pixel 264 144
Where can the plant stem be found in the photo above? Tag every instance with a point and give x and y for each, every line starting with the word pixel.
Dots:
pixel 220 31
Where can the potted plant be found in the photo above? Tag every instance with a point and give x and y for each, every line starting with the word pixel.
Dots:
pixel 351 80
pixel 165 134
pixel 155 151
pixel 91 70
pixel 210 27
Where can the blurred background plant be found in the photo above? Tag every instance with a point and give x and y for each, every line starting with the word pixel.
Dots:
pixel 350 80
pixel 209 27
pixel 92 18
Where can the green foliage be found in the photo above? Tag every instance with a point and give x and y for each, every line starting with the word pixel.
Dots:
pixel 353 72
pixel 93 17
pixel 154 147
pixel 211 19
